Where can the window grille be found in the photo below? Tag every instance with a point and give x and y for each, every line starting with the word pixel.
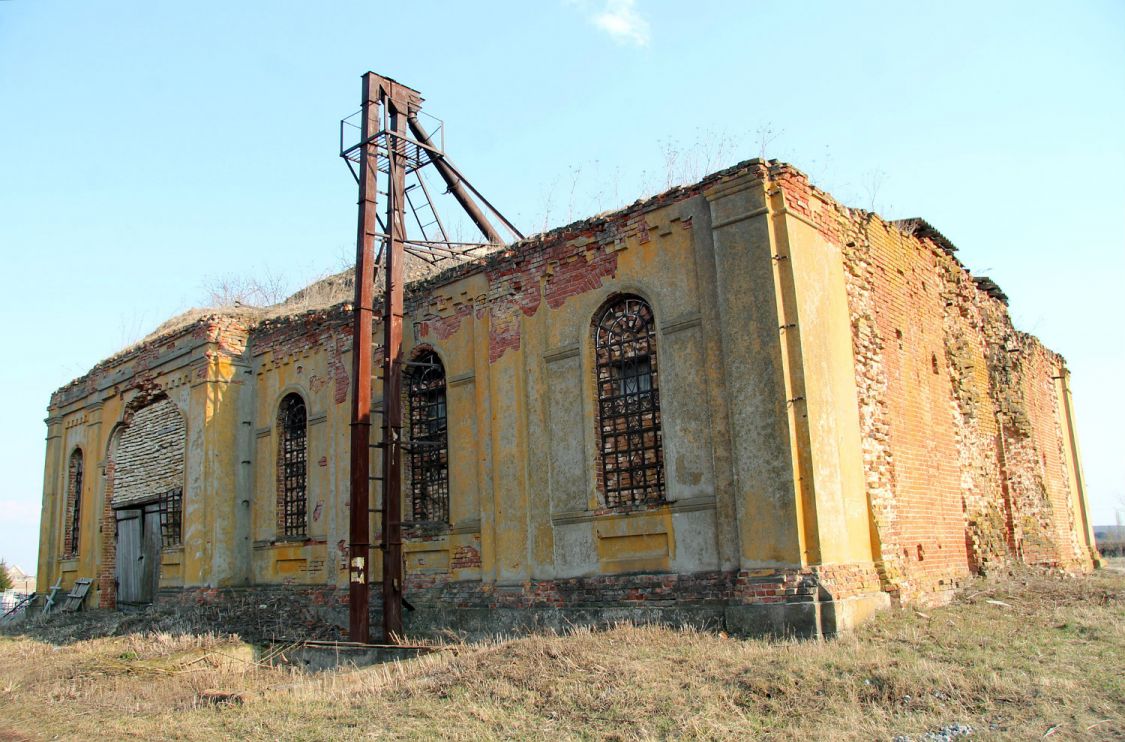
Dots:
pixel 171 517
pixel 293 466
pixel 631 454
pixel 75 481
pixel 428 444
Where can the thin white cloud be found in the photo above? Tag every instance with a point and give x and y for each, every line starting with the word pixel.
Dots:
pixel 618 18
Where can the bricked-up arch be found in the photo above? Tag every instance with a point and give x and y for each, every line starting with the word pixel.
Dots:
pixel 427 419
pixel 292 466
pixel 144 464
pixel 631 451
pixel 74 476
pixel 148 460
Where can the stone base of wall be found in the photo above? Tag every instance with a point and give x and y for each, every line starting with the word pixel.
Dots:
pixel 813 602
pixel 815 619
pixel 805 620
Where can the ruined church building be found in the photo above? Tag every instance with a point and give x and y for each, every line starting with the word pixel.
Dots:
pixel 738 403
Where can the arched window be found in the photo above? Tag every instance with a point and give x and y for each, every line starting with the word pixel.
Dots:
pixel 428 446
pixel 292 466
pixel 74 500
pixel 631 456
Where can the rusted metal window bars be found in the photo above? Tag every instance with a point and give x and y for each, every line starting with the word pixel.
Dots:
pixel 632 455
pixel 76 490
pixel 428 445
pixel 171 517
pixel 294 465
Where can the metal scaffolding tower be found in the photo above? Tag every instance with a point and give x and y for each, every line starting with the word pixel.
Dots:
pixel 392 148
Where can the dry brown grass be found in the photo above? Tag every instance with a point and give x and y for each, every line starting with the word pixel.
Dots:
pixel 1043 657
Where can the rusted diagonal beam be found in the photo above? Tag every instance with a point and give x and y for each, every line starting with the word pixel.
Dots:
pixel 454 181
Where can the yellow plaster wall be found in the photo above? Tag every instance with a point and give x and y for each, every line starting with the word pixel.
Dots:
pixel 1071 453
pixel 92 418
pixel 758 377
pixel 49 529
pixel 315 558
pixel 840 532
pixel 501 412
pixel 750 483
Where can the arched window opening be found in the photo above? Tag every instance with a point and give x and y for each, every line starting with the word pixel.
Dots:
pixel 74 497
pixel 428 445
pixel 631 457
pixel 292 466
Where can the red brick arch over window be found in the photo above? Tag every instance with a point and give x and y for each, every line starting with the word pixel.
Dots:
pixel 630 440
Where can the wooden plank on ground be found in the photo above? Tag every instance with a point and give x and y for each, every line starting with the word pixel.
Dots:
pixel 77 595
pixel 53 596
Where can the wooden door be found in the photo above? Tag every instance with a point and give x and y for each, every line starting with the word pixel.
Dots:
pixel 130 524
pixel 138 554
pixel 150 550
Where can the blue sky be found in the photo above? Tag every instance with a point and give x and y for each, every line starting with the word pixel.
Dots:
pixel 147 148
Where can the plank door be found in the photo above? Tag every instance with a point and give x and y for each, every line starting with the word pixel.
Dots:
pixel 130 560
pixel 138 554
pixel 150 550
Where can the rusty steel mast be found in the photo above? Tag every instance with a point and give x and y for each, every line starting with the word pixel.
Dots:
pixel 393 146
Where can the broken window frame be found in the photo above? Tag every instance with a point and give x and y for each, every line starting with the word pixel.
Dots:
pixel 172 518
pixel 427 415
pixel 292 466
pixel 75 475
pixel 630 435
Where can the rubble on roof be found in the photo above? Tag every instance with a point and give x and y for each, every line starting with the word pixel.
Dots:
pixel 921 228
pixel 988 286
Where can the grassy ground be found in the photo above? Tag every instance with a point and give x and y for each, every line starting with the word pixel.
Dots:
pixel 1025 658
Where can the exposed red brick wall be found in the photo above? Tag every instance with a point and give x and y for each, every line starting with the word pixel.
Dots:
pixel 107 572
pixel 975 342
pixel 227 331
pixel 962 446
pixel 444 327
pixel 294 336
pixel 736 588
pixel 310 610
pixel 550 268
pixel 1042 511
pixel 466 557
pixel 927 527
pixel 571 264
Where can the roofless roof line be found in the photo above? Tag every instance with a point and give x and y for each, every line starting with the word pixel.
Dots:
pixel 257 316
